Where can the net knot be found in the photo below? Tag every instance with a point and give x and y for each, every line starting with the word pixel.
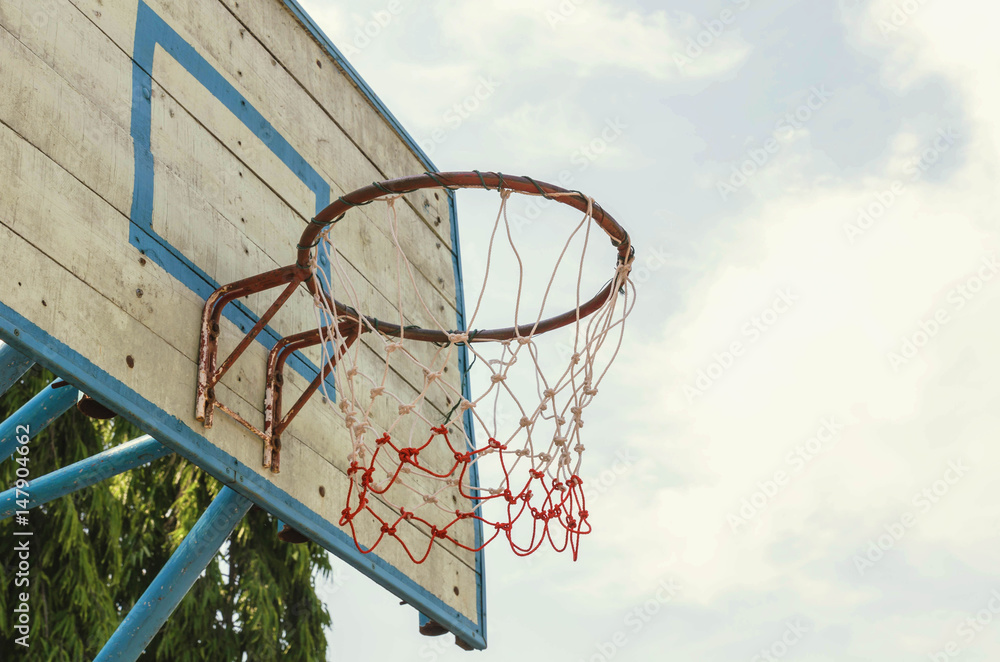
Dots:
pixel 407 454
pixel 454 482
pixel 498 377
pixel 576 358
pixel 384 439
pixel 466 404
pixel 391 530
pixel 493 443
pixel 523 341
pixel 573 481
pixel 549 393
pixel 535 474
pixel 352 372
pixel 460 457
pixel 590 391
pixel 405 409
pixel 430 498
pixel 522 452
pixel 525 421
pixel 502 526
pixel 438 533
pixel 579 448
pixel 456 338
pixel 559 485
pixel 560 420
pixel 377 391
pixel 392 347
pixel 559 441
pixel 431 376
pixel 544 457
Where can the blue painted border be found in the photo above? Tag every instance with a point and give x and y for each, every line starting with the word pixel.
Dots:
pixel 170 431
pixel 151 30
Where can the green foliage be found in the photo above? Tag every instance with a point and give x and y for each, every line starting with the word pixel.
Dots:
pixel 95 551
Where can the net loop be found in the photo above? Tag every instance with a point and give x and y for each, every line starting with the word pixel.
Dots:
pixel 394 379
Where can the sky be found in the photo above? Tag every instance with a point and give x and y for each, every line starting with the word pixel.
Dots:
pixel 791 457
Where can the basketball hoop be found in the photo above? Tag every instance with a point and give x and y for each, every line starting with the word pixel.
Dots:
pixel 416 456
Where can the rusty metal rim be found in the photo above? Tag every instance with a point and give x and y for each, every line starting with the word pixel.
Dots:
pixel 465 180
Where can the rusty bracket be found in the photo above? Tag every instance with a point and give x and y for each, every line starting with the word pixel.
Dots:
pixel 210 373
pixel 275 421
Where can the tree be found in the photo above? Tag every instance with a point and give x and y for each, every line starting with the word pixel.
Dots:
pixel 95 551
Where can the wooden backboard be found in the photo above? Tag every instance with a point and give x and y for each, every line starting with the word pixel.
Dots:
pixel 154 150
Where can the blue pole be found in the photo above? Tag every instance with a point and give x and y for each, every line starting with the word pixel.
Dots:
pixel 84 473
pixel 47 406
pixel 176 578
pixel 13 364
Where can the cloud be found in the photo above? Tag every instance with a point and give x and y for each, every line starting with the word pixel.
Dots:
pixel 581 39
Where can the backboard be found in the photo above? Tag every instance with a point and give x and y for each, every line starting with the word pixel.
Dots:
pixel 154 150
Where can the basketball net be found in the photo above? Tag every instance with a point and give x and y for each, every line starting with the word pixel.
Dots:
pixel 412 458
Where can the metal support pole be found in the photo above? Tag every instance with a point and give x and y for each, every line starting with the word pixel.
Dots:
pixel 13 364
pixel 176 578
pixel 84 473
pixel 47 406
